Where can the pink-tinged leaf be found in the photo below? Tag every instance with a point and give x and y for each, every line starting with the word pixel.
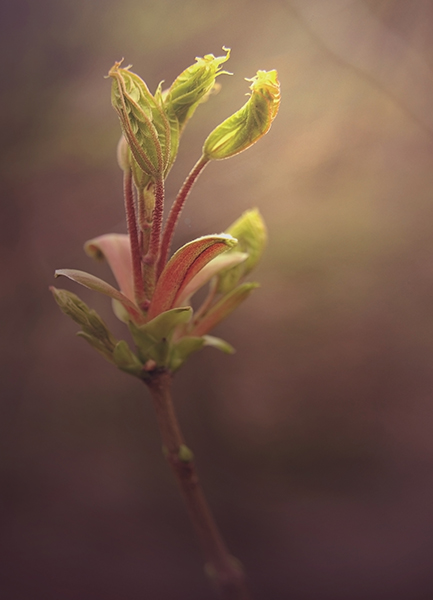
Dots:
pixel 222 309
pixel 98 285
pixel 224 261
pixel 116 249
pixel 183 266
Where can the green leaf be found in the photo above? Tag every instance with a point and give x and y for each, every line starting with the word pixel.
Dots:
pixel 97 345
pixel 182 349
pixel 187 345
pixel 225 261
pixel 126 360
pixel 250 123
pixel 250 231
pixel 98 285
pixel 218 343
pixel 94 330
pixel 222 309
pixel 153 339
pixel 164 324
pixel 183 266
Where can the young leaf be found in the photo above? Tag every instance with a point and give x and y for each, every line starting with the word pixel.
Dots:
pixel 126 360
pixel 94 330
pixel 250 231
pixel 115 248
pixel 98 285
pixel 222 309
pixel 153 338
pixel 250 123
pixel 144 122
pixel 218 343
pixel 192 87
pixel 225 261
pixel 183 266
pixel 183 349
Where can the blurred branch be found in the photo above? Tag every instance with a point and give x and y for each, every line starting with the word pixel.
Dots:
pixel 356 38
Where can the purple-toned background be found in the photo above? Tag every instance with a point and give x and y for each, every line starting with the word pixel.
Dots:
pixel 314 440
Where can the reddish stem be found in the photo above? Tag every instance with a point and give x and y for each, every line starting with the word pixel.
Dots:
pixel 176 210
pixel 152 255
pixel 133 238
pixel 224 569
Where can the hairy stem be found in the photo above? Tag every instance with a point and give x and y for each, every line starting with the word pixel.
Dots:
pixel 151 258
pixel 223 568
pixel 176 210
pixel 133 237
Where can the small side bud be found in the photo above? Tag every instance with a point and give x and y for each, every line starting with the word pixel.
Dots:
pixel 94 330
pixel 185 454
pixel 122 153
pixel 250 123
pixel 71 305
pixel 127 163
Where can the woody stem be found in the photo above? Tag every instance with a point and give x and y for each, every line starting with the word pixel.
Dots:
pixel 224 569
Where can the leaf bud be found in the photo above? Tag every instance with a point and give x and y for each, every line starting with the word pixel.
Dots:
pixel 94 330
pixel 144 123
pixel 248 124
pixel 193 86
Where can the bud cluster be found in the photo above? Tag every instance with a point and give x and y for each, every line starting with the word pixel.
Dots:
pixel 155 293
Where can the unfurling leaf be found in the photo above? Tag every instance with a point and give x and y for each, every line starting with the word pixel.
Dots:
pixel 193 86
pixel 250 123
pixel 144 122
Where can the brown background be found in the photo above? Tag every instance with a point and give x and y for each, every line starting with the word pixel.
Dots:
pixel 315 440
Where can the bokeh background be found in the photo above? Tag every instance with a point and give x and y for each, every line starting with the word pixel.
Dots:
pixel 314 441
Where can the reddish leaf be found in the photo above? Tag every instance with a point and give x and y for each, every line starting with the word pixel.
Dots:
pixel 222 309
pixel 116 249
pixel 98 285
pixel 183 266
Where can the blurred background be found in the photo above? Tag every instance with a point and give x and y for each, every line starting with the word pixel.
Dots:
pixel 314 441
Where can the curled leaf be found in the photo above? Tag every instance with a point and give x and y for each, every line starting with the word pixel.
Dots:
pixel 248 124
pixel 144 122
pixel 192 86
pixel 183 266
